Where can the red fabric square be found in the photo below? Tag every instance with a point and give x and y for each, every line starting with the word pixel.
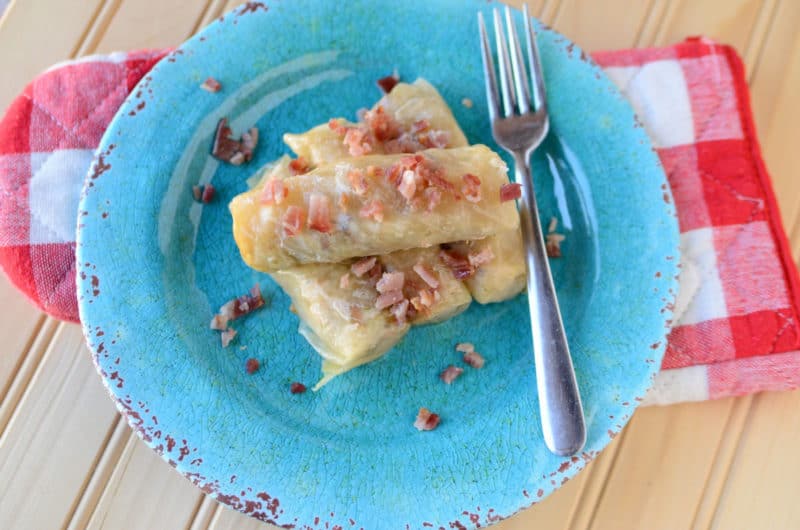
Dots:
pixel 139 63
pixel 702 343
pixel 756 374
pixel 16 125
pixel 732 191
pixel 54 277
pixel 14 207
pixel 765 332
pixel 680 165
pixel 714 102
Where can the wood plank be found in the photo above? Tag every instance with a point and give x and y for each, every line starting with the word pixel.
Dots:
pixel 761 490
pixel 144 493
pixel 28 48
pixel 729 21
pixel 54 436
pixel 601 25
pixel 662 472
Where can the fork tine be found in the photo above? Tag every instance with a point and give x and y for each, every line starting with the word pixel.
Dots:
pixel 504 63
pixel 488 70
pixel 539 98
pixel 517 66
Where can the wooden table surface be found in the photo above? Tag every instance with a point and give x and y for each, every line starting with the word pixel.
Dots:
pixel 68 460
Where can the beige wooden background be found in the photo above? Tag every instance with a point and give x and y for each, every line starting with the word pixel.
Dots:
pixel 67 460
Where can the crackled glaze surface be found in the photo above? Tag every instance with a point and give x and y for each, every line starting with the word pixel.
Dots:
pixel 154 266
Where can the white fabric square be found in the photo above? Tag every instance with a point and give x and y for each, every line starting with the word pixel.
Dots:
pixel 55 190
pixel 700 295
pixel 680 384
pixel 658 93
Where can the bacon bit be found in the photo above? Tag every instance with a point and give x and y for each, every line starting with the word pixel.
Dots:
pixel 249 143
pixel 400 311
pixel 382 125
pixel 451 373
pixel 208 194
pixel 510 191
pixel 227 336
pixel 211 85
pixel 374 171
pixel 465 347
pixel 337 126
pixel 390 281
pixel 297 388
pixel 219 322
pixel 427 275
pixel 357 141
pixel 416 303
pixel 293 220
pixel 474 359
pixel 440 182
pixel 420 125
pixel 252 365
pixel 238 159
pixel 344 281
pixel 357 181
pixel 242 305
pixel 319 212
pixel 471 188
pixel 197 192
pixel 388 299
pixel 408 184
pixel 373 209
pixel 363 266
pixel 552 226
pixel 478 259
pixel 552 243
pixel 427 298
pixel 458 264
pixel 434 197
pixel 299 166
pixel 426 420
pixel 375 274
pixel 274 192
pixel 434 139
pixel 467 102
pixel 386 84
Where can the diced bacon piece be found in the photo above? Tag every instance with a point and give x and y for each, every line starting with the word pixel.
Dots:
pixel 458 264
pixel 428 276
pixel 408 184
pixel 510 191
pixel 293 220
pixel 238 159
pixel 297 388
pixel 471 188
pixel 451 373
pixel 435 179
pixel 386 84
pixel 211 85
pixel 467 102
pixel 474 359
pixel 227 336
pixel 390 281
pixel 434 139
pixel 299 166
pixel 426 420
pixel 249 143
pixel 251 366
pixel 337 126
pixel 374 171
pixel 357 141
pixel 400 311
pixel 382 125
pixel 344 281
pixel 388 299
pixel 478 259
pixel 319 212
pixel 427 298
pixel 363 266
pixel 373 209
pixel 242 305
pixel 420 125
pixel 552 243
pixel 416 303
pixel 274 191
pixel 219 322
pixel 224 147
pixel 197 192
pixel 208 194
pixel 551 227
pixel 465 347
pixel 358 181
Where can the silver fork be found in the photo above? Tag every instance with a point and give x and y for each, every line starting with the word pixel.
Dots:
pixel 521 128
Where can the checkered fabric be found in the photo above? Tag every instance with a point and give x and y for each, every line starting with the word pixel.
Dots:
pixel 736 317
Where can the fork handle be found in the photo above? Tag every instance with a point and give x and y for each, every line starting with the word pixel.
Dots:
pixel 563 423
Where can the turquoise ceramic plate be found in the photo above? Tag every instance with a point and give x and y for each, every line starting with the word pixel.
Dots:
pixel 155 265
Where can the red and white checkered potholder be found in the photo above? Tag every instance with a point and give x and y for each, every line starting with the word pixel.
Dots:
pixel 737 326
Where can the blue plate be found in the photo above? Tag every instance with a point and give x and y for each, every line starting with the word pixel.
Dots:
pixel 155 265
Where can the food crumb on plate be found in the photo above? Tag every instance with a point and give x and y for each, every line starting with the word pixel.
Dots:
pixel 252 365
pixel 297 388
pixel 211 85
pixel 467 103
pixel 465 347
pixel 426 420
pixel 474 359
pixel 227 336
pixel 386 84
pixel 450 374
